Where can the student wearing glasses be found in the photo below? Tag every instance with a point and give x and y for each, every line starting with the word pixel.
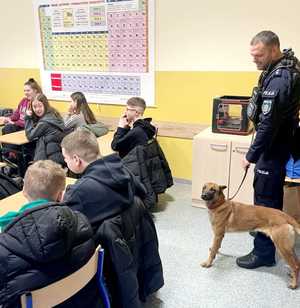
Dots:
pixel 132 129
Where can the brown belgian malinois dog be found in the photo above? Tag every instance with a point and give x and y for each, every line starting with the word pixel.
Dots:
pixel 230 216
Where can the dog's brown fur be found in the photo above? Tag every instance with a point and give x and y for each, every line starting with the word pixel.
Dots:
pixel 230 216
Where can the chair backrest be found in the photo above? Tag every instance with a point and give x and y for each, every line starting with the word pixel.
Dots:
pixel 63 289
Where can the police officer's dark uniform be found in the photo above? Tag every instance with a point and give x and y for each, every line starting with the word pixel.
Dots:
pixel 273 108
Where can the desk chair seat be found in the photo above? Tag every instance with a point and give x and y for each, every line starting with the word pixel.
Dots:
pixel 61 290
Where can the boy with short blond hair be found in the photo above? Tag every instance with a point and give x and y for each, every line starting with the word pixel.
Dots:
pixel 80 144
pixel 109 197
pixel 132 129
pixel 44 181
pixel 138 103
pixel 44 241
pixel 105 188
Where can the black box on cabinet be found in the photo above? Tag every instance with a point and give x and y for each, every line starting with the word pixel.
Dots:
pixel 230 115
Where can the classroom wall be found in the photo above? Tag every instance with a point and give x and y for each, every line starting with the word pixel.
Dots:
pixel 200 54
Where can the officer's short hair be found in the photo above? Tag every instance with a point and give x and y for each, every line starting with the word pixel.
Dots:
pixel 138 103
pixel 44 179
pixel 83 143
pixel 268 38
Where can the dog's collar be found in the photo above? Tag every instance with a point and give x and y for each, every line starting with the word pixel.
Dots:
pixel 215 204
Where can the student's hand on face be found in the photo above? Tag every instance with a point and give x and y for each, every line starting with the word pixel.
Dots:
pixel 123 122
pixel 71 109
pixel 29 112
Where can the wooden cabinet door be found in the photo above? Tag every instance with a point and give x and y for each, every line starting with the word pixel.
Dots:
pixel 211 160
pixel 238 151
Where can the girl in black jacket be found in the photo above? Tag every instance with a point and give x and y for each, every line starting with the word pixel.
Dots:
pixel 44 125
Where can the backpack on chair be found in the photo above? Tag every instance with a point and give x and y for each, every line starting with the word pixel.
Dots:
pixel 8 186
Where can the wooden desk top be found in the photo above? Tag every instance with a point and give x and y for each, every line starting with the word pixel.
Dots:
pixel 165 129
pixel 20 138
pixel 15 201
pixel 289 180
pixel 104 143
pixel 17 138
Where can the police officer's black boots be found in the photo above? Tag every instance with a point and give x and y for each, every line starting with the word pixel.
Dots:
pixel 252 261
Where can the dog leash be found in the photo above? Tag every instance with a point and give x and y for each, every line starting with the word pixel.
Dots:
pixel 245 173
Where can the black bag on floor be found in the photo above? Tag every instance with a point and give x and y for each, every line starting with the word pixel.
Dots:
pixel 8 186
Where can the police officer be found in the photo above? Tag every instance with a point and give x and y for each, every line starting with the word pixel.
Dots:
pixel 273 108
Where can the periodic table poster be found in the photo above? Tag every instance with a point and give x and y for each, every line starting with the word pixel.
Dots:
pixel 103 48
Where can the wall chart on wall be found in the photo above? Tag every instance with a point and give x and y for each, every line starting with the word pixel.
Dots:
pixel 103 48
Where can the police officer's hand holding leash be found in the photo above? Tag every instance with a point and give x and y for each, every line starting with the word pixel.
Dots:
pixel 273 108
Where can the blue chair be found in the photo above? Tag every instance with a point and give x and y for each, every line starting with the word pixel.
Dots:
pixel 61 290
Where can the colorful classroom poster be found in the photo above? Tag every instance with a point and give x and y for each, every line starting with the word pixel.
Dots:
pixel 103 48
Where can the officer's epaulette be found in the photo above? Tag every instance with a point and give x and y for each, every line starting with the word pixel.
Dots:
pixel 270 93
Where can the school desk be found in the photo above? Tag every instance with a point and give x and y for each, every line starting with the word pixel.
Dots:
pixel 17 138
pixel 104 143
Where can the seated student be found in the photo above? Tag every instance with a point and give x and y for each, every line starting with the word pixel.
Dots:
pixel 80 114
pixel 126 138
pixel 44 241
pixel 16 121
pixel 45 125
pixel 109 196
pixel 105 187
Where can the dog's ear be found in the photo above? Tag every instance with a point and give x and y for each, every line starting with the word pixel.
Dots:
pixel 222 187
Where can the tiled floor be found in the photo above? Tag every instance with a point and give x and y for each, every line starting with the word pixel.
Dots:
pixel 185 236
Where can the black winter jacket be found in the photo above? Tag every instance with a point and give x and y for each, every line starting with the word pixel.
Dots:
pixel 133 268
pixel 125 139
pixel 41 246
pixel 48 133
pixel 104 190
pixel 149 164
pixel 279 112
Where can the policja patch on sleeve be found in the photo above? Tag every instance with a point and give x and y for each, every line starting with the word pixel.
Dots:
pixel 268 97
pixel 266 106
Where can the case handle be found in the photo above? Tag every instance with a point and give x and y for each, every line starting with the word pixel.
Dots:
pixel 242 150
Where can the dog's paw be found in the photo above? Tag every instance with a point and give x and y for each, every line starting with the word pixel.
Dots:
pixel 292 286
pixel 206 264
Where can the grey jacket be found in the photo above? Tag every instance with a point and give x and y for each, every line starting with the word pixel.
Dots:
pixel 48 133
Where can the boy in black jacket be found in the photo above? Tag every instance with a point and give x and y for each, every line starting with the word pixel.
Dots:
pixel 132 129
pixel 105 188
pixel 44 241
pixel 108 195
pixel 44 182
